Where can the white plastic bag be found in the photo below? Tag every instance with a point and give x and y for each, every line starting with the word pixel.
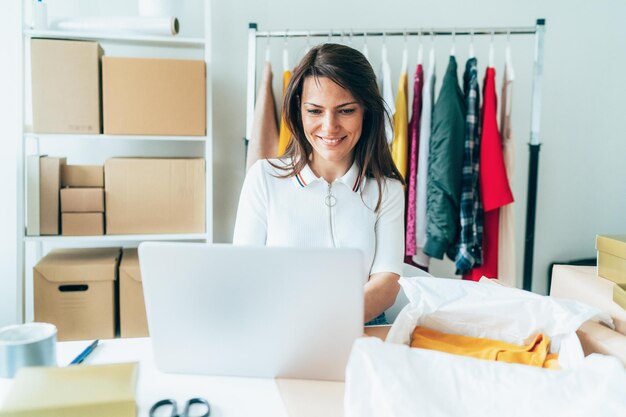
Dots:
pixel 391 379
pixel 492 311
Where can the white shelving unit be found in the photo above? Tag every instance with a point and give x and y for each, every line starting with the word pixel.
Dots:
pixel 94 149
pixel 159 40
pixel 105 138
pixel 117 238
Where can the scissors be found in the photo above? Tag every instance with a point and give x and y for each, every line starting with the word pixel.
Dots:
pixel 203 405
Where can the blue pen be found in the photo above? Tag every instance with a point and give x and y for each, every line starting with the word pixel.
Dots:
pixel 81 357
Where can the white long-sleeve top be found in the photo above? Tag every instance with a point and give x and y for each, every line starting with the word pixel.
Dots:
pixel 306 211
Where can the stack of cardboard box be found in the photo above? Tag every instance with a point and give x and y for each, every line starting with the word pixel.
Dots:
pixel 82 200
pixel 91 293
pixel 78 90
pixel 74 88
pixel 612 264
pixel 601 287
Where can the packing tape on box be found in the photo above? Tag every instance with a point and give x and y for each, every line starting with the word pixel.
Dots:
pixel 30 344
pixel 129 25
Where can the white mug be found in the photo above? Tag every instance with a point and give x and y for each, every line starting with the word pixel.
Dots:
pixel 30 344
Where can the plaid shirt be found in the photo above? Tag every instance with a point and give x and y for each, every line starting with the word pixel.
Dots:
pixel 469 247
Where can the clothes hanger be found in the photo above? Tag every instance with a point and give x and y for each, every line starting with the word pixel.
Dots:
pixel 366 52
pixel 383 50
pixel 286 54
pixel 420 49
pixel 471 45
pixel 431 53
pixel 453 49
pixel 308 43
pixel 507 57
pixel 491 50
pixel 405 54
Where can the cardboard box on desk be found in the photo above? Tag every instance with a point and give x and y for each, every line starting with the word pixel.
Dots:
pixel 619 295
pixel 83 176
pixel 155 195
pixel 66 86
pixel 133 321
pixel 73 391
pixel 75 290
pixel 581 283
pixel 144 96
pixel 50 184
pixel 612 257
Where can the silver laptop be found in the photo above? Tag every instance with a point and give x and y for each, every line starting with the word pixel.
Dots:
pixel 252 311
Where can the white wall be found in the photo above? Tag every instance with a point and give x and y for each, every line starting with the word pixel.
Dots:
pixel 10 120
pixel 582 174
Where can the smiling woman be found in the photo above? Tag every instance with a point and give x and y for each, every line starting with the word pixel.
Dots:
pixel 336 185
pixel 332 121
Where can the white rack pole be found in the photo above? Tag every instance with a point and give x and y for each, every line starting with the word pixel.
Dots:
pixel 533 162
pixel 208 144
pixel 251 89
pixel 530 30
pixel 21 182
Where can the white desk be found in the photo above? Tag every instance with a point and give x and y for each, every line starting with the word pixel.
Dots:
pixel 228 396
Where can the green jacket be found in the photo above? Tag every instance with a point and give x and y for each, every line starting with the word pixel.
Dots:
pixel 445 164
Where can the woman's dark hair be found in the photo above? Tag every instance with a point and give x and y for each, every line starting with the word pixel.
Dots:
pixel 349 69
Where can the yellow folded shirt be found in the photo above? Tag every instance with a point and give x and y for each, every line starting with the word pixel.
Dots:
pixel 536 353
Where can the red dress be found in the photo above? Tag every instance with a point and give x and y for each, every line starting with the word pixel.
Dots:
pixel 494 184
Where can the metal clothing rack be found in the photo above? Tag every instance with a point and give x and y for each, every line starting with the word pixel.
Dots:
pixel 539 33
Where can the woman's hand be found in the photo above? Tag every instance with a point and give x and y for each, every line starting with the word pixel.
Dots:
pixel 380 293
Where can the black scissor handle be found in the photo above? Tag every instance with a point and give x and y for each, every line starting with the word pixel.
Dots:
pixel 162 403
pixel 197 401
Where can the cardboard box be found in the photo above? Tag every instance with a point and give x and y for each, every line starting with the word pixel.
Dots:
pixel 133 321
pixel 66 86
pixel 581 283
pixel 73 391
pixel 83 176
pixel 82 200
pixel 50 185
pixel 612 257
pixel 146 96
pixel 619 295
pixel 82 224
pixel 75 290
pixel 32 195
pixel 155 195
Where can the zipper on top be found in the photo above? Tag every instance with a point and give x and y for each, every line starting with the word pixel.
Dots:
pixel 330 200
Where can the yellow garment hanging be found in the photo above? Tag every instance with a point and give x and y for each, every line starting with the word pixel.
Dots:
pixel 534 354
pixel 285 135
pixel 400 144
